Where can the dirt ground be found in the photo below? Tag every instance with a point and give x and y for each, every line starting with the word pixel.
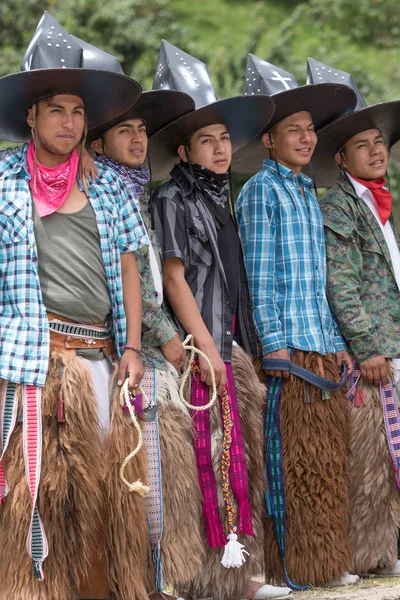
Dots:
pixel 366 589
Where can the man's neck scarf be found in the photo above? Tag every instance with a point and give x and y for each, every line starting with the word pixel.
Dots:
pixel 51 186
pixel 381 196
pixel 214 184
pixel 136 178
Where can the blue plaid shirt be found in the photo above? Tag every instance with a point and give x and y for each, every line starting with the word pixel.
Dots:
pixel 284 247
pixel 24 330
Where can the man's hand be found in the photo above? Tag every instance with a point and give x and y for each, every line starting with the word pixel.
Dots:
pixel 131 364
pixel 218 365
pixel 374 370
pixel 88 167
pixel 344 357
pixel 174 352
pixel 282 354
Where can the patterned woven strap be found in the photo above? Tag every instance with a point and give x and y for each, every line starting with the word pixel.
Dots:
pixel 79 331
pixel 226 461
pixel 392 425
pixel 275 499
pixel 32 445
pixel 391 415
pixel 8 418
pixel 154 499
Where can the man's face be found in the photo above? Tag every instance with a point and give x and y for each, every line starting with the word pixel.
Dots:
pixel 293 141
pixel 125 143
pixel 58 125
pixel 211 148
pixel 365 155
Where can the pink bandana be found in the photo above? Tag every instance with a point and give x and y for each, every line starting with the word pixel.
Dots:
pixel 53 184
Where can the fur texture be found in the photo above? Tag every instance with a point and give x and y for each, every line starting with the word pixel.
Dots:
pixel 214 580
pixel 374 499
pixel 126 533
pixel 182 546
pixel 70 492
pixel 315 438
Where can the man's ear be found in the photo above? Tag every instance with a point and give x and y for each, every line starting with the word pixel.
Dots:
pixel 29 119
pixel 339 158
pixel 97 146
pixel 182 153
pixel 266 140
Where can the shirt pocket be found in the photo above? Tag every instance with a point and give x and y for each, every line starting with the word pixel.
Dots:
pixel 12 227
pixel 200 250
pixel 369 244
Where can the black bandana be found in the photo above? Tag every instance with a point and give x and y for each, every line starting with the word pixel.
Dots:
pixel 214 184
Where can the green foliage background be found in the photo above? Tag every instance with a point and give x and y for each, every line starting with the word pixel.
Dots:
pixel 360 37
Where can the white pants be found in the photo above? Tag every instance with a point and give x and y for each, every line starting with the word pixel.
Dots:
pixel 101 373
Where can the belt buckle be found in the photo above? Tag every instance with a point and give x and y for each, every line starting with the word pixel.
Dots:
pixel 89 341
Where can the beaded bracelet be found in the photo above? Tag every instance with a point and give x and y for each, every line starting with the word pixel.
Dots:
pixel 138 352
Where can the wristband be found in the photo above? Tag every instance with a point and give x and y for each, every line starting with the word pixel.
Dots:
pixel 138 352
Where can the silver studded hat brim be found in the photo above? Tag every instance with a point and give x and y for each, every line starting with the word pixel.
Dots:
pixel 325 102
pixel 243 116
pixel 384 116
pixel 105 94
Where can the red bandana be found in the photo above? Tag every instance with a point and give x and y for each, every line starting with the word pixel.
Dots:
pixel 53 185
pixel 382 197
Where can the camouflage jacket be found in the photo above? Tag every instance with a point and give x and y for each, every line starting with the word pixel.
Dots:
pixel 157 325
pixel 361 285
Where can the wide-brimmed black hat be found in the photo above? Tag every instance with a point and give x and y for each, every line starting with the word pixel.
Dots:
pixel 384 116
pixel 324 103
pixel 157 108
pixel 56 63
pixel 243 116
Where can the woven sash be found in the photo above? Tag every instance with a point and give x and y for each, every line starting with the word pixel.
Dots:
pixel 275 495
pixel 32 446
pixel 391 414
pixel 237 461
pixel 154 500
pixel 8 418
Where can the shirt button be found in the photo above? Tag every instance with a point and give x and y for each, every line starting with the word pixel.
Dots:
pixel 228 333
pixel 45 340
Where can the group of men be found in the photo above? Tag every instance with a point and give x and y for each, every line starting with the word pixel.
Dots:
pixel 127 469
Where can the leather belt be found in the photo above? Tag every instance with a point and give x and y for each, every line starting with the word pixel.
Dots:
pixel 84 338
pixel 278 364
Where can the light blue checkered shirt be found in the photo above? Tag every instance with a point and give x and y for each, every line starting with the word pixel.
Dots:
pixel 284 247
pixel 24 330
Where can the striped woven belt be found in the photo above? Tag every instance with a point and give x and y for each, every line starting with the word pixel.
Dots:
pixel 80 331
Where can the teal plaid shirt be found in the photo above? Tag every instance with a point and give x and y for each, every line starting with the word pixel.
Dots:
pixel 24 331
pixel 284 248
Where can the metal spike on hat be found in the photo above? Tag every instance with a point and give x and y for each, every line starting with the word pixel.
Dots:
pixel 319 72
pixel 263 77
pixel 179 71
pixel 52 48
pixel 94 58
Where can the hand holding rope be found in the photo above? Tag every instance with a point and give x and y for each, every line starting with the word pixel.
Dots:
pixel 135 486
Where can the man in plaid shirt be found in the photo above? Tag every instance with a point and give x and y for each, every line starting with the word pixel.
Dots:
pixel 281 227
pixel 70 307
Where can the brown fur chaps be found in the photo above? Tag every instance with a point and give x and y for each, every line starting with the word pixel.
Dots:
pixel 374 498
pixel 79 493
pixel 315 445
